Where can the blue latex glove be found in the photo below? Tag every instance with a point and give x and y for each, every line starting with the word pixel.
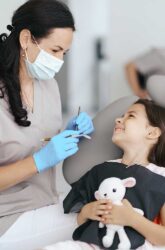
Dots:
pixel 83 122
pixel 59 148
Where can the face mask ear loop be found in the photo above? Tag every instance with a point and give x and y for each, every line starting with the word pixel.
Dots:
pixel 26 55
pixel 36 42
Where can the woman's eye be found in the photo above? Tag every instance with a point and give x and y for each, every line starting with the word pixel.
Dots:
pixel 131 115
pixel 55 51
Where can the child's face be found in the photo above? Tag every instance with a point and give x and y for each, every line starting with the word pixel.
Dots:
pixel 132 128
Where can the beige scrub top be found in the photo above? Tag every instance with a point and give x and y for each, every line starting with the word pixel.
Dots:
pixel 151 62
pixel 17 142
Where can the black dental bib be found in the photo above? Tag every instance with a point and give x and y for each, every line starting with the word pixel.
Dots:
pixel 148 195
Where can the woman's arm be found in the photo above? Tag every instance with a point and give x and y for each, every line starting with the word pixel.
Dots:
pixel 15 173
pixel 132 77
pixel 48 156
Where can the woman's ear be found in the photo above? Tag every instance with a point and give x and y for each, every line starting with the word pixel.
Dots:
pixel 24 38
pixel 153 133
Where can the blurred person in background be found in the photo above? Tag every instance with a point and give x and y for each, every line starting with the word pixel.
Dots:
pixel 143 66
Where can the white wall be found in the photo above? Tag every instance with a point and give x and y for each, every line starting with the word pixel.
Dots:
pixel 92 21
pixel 6 11
pixel 136 25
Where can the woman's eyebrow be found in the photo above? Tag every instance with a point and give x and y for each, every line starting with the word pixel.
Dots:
pixel 61 48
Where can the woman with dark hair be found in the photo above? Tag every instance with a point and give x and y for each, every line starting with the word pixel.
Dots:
pixel 30 111
pixel 140 133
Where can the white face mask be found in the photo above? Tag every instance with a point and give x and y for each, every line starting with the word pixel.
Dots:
pixel 44 67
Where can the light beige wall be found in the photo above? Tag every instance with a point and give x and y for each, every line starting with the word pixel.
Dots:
pixel 6 11
pixel 136 26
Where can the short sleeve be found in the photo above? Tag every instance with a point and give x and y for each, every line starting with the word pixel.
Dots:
pixel 148 63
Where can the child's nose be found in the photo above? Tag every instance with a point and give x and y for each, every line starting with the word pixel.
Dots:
pixel 118 120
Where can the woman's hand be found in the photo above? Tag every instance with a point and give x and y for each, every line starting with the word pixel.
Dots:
pixel 94 211
pixel 120 215
pixel 83 123
pixel 59 148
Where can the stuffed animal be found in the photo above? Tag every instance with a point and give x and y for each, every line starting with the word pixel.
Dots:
pixel 114 189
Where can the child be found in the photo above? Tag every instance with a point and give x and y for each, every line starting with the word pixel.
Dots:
pixel 140 133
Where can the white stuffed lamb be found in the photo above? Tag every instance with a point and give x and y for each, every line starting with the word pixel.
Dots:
pixel 114 189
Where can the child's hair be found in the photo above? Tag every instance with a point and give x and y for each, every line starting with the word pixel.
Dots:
pixel 156 117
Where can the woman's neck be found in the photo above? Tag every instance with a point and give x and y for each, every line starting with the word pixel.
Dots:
pixel 25 79
pixel 27 88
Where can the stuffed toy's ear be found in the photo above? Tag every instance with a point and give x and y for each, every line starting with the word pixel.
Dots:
pixel 97 195
pixel 129 182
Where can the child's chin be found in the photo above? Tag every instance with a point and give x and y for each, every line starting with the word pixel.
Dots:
pixel 116 138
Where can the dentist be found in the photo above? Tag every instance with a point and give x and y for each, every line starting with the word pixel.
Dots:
pixel 30 110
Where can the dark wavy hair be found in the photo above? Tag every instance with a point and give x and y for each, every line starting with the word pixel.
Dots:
pixel 156 117
pixel 38 16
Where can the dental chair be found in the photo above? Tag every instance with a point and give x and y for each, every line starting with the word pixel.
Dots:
pixel 100 148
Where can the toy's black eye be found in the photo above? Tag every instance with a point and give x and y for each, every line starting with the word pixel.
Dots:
pixel 105 195
pixel 114 190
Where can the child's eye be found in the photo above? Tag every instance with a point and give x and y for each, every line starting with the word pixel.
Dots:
pixel 131 115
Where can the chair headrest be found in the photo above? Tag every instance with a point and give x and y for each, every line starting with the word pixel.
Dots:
pixel 156 89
